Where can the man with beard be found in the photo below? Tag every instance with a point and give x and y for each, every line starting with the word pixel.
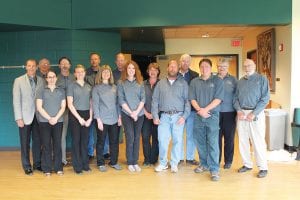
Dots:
pixel 170 108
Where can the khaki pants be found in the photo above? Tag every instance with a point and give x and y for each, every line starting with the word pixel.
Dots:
pixel 255 131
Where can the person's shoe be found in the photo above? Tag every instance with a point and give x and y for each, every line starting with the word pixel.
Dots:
pixel 137 168
pixel 60 173
pixel 192 162
pixel 262 173
pixel 160 168
pixel 227 166
pixel 47 174
pixel 116 167
pixel 146 164
pixel 244 169
pixel 88 170
pixel 174 169
pixel 106 156
pixel 131 168
pixel 102 168
pixel 78 172
pixel 214 176
pixel 38 168
pixel 200 169
pixel 28 172
pixel 91 157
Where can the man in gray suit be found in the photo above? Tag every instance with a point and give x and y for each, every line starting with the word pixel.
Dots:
pixel 24 93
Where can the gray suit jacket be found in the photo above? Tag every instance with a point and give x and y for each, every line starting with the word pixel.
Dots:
pixel 24 99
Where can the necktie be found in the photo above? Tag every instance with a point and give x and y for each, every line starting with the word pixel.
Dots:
pixel 32 84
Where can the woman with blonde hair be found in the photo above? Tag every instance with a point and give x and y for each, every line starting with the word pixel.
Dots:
pixel 107 113
pixel 80 118
pixel 131 94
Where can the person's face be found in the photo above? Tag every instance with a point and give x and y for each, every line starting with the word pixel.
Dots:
pixel 185 64
pixel 105 75
pixel 64 65
pixel 131 70
pixel 173 69
pixel 223 68
pixel 153 73
pixel 44 65
pixel 249 67
pixel 120 61
pixel 205 69
pixel 95 60
pixel 31 68
pixel 79 73
pixel 51 78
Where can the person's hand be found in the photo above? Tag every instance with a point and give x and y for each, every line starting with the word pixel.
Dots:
pixel 100 124
pixel 204 113
pixel 119 121
pixel 148 115
pixel 52 121
pixel 20 123
pixel 250 117
pixel 241 115
pixel 81 121
pixel 156 121
pixel 180 121
pixel 88 122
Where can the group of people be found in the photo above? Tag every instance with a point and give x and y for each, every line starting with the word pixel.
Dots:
pixel 208 106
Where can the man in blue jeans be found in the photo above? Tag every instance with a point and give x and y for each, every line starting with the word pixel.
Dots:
pixel 170 109
pixel 206 93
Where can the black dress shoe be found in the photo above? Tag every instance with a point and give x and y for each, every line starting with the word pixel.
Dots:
pixel 227 166
pixel 244 169
pixel 262 173
pixel 28 172
pixel 38 169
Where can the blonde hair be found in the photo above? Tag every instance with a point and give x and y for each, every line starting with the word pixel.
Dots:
pixel 98 78
pixel 138 75
pixel 79 66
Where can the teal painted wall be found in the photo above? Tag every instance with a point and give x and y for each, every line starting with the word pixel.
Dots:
pixel 136 13
pixel 16 47
pixel 45 13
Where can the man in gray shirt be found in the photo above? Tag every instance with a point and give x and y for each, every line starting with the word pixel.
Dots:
pixel 170 109
pixel 252 96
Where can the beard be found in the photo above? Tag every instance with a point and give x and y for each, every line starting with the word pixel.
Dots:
pixel 172 74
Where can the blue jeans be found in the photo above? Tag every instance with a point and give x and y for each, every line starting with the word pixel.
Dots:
pixel 206 137
pixel 190 145
pixel 168 128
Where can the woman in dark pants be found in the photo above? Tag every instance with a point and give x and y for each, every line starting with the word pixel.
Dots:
pixel 107 113
pixel 51 105
pixel 80 118
pixel 131 95
pixel 149 130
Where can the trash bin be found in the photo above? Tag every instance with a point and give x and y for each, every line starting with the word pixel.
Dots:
pixel 296 134
pixel 275 128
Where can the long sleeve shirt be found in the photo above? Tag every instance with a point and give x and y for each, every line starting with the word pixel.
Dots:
pixel 230 83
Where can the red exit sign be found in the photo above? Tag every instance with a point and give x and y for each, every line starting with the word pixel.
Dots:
pixel 236 43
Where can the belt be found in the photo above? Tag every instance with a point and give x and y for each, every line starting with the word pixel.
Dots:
pixel 171 112
pixel 247 108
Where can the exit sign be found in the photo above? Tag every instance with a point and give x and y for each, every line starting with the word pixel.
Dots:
pixel 236 43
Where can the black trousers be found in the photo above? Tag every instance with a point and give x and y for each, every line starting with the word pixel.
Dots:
pixel 112 132
pixel 80 138
pixel 51 135
pixel 150 149
pixel 132 135
pixel 227 130
pixel 26 133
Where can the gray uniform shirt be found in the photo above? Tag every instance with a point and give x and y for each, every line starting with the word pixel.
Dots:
pixel 205 91
pixel 132 93
pixel 51 102
pixel 252 93
pixel 105 103
pixel 230 83
pixel 167 97
pixel 65 81
pixel 81 95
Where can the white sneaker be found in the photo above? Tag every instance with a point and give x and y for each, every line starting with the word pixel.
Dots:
pixel 131 168
pixel 137 168
pixel 174 169
pixel 160 168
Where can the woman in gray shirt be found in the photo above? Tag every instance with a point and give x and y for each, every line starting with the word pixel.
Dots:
pixel 131 95
pixel 107 113
pixel 51 105
pixel 80 118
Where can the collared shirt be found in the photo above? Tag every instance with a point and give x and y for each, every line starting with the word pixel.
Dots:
pixel 205 91
pixel 105 103
pixel 131 93
pixel 65 81
pixel 167 97
pixel 51 102
pixel 149 93
pixel 81 95
pixel 116 75
pixel 189 75
pixel 90 75
pixel 252 92
pixel 230 83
